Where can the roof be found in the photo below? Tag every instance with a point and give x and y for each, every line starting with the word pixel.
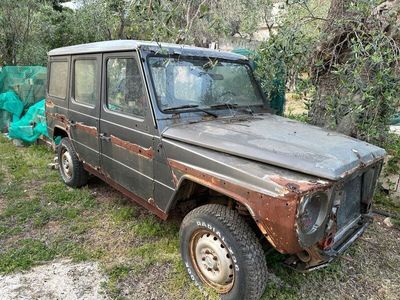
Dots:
pixel 128 45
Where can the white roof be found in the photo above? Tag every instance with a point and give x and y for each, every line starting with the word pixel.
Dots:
pixel 128 45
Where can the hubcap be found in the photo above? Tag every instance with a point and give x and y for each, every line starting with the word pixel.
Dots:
pixel 66 163
pixel 212 260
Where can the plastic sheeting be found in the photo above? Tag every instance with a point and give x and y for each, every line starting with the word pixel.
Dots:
pixel 31 126
pixel 20 86
pixel 28 82
pixel 11 103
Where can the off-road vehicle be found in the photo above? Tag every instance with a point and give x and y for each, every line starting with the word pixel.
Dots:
pixel 174 126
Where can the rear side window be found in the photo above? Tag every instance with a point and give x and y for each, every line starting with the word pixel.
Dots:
pixel 58 79
pixel 85 81
pixel 125 89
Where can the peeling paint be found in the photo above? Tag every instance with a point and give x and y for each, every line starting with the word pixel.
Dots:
pixel 144 152
pixel 300 186
pixel 275 216
pixel 91 130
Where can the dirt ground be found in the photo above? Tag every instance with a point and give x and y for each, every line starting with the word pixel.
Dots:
pixel 61 279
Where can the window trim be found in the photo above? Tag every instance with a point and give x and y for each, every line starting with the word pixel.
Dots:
pixel 137 118
pixel 52 60
pixel 73 99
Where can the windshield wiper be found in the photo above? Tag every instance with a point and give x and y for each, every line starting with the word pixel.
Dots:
pixel 180 107
pixel 186 106
pixel 233 105
pixel 228 105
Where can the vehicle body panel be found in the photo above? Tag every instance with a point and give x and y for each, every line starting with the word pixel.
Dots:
pixel 282 142
pixel 84 119
pixel 127 142
pixel 57 107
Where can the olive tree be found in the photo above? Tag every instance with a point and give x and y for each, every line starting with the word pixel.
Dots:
pixel 355 69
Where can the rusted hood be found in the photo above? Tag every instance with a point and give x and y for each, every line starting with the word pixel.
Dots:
pixel 281 142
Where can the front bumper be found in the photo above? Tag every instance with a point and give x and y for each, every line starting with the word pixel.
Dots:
pixel 315 258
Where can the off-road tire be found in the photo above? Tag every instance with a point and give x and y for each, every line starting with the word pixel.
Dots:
pixel 79 175
pixel 241 242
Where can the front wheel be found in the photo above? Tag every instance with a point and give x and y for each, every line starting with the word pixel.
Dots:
pixel 221 252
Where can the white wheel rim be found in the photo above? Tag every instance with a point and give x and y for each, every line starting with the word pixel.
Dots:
pixel 66 164
pixel 212 260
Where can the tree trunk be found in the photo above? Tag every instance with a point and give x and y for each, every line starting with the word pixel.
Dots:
pixel 334 103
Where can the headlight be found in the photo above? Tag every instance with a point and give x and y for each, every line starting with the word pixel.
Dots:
pixel 312 212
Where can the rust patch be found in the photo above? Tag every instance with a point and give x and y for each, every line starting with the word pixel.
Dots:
pixel 59 117
pixel 49 104
pixel 175 180
pixel 275 216
pixel 144 152
pixel 300 186
pixel 91 130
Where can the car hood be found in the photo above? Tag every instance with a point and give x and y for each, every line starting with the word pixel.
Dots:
pixel 280 142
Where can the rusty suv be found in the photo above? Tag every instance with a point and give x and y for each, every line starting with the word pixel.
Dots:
pixel 179 127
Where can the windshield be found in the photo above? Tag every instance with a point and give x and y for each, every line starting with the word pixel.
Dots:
pixel 200 82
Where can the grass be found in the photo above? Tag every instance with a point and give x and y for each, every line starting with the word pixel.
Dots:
pixel 26 253
pixel 41 219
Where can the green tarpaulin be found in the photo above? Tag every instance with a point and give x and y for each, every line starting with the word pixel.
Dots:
pixel 20 87
pixel 31 126
pixel 11 103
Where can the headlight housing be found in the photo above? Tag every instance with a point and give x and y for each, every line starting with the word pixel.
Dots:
pixel 311 217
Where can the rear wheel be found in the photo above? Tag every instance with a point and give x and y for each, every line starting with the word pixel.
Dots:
pixel 221 252
pixel 71 168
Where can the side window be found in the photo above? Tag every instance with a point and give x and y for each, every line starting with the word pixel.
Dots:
pixel 58 79
pixel 125 89
pixel 85 81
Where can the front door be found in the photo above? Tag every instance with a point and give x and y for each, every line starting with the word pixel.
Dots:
pixel 126 140
pixel 84 107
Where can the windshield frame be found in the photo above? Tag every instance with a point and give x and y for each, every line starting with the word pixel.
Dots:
pixel 244 62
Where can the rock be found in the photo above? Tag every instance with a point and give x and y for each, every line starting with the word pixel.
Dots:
pixel 53 166
pixel 388 222
pixel 18 143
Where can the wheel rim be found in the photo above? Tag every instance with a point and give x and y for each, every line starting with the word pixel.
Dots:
pixel 212 260
pixel 66 164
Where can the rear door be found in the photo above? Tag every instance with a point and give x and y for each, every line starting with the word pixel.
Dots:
pixel 126 139
pixel 84 107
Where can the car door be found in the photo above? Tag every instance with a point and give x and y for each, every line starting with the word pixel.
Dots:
pixel 126 140
pixel 84 107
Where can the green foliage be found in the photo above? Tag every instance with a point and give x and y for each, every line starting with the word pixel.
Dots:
pixel 369 84
pixel 31 28
pixel 356 71
pixel 285 56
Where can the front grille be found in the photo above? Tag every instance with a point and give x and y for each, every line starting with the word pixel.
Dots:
pixel 356 195
pixel 350 204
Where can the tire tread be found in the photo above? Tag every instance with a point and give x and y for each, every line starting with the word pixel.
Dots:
pixel 247 241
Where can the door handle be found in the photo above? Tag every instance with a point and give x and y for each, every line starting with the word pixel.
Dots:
pixel 74 123
pixel 105 137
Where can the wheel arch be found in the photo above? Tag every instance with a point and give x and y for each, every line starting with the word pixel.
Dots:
pixel 60 131
pixel 193 192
